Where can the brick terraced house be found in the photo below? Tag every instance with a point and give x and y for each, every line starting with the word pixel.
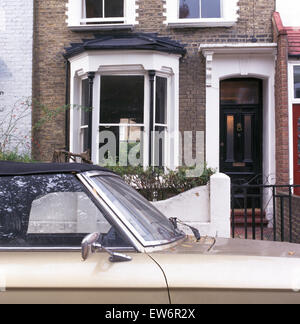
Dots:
pixel 164 65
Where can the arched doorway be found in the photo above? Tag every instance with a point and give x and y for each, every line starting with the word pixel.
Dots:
pixel 241 153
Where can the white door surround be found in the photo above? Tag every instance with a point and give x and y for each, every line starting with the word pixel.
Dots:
pixel 225 61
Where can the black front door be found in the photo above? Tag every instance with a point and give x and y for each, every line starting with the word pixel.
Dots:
pixel 241 130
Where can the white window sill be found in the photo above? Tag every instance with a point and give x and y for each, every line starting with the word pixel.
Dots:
pixel 83 28
pixel 201 23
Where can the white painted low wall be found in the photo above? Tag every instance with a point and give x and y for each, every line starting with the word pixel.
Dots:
pixel 207 208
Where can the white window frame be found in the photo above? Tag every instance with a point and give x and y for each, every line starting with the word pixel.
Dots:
pixel 229 16
pixel 104 19
pixel 77 22
pixel 200 12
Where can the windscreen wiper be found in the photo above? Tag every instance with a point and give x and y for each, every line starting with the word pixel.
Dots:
pixel 175 221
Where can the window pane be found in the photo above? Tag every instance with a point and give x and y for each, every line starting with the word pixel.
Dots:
pixel 159 146
pixel 84 139
pixel 121 144
pixel 297 81
pixel 210 9
pixel 114 8
pixel 161 101
pixel 94 9
pixel 85 102
pixel 122 98
pixel 189 9
pixel 48 211
pixel 240 92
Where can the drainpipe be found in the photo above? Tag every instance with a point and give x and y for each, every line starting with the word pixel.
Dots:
pixel 67 108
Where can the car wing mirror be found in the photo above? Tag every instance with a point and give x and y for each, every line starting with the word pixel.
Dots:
pixel 90 244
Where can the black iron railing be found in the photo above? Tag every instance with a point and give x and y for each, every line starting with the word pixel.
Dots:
pixel 265 212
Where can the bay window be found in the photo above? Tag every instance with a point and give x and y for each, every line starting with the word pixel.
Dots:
pixel 134 95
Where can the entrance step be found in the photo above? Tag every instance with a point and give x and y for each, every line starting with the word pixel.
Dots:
pixel 239 217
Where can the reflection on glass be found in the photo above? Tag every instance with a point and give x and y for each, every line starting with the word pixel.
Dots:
pixel 121 144
pixel 114 8
pixel 189 9
pixel 94 8
pixel 122 97
pixel 104 8
pixel 240 92
pixel 210 9
pixel 84 102
pixel 159 146
pixel 161 101
pixel 248 137
pixel 297 81
pixel 230 139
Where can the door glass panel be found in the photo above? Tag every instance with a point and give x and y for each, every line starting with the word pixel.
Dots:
pixel 210 9
pixel 230 139
pixel 189 9
pixel 248 137
pixel 122 97
pixel 240 92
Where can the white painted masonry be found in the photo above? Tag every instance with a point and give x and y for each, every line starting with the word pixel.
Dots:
pixel 207 208
pixel 16 42
pixel 241 61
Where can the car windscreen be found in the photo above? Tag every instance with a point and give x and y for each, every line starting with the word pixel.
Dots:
pixel 142 216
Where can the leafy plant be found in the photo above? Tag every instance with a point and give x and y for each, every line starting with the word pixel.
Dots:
pixel 156 184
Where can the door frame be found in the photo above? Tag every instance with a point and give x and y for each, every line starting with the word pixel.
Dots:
pixel 260 123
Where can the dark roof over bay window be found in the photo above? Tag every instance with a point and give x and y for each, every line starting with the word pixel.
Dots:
pixel 126 42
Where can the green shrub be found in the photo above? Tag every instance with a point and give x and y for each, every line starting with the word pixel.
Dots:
pixel 155 184
pixel 15 157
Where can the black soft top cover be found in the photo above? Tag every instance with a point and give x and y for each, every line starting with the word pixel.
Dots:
pixel 18 168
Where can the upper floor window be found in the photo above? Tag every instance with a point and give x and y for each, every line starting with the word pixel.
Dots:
pixel 199 9
pixel 201 13
pixel 103 11
pixel 101 14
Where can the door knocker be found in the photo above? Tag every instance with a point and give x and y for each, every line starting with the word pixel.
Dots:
pixel 239 127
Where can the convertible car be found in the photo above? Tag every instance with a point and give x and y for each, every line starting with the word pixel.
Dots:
pixel 74 233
